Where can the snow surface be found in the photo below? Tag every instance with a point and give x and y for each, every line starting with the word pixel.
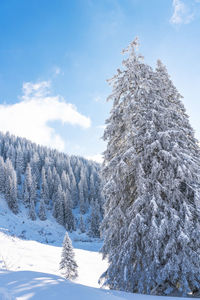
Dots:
pixel 29 268
pixel 26 285
pixel 47 232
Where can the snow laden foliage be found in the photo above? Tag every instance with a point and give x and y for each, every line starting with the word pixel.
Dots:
pixel 151 174
pixel 95 220
pixel 68 264
pixel 48 182
pixel 8 184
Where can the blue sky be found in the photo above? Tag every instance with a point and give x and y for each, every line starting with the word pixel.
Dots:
pixel 55 57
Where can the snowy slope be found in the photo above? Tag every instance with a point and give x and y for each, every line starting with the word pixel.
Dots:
pixel 47 232
pixel 40 248
pixel 29 269
pixel 26 285
pixel 20 255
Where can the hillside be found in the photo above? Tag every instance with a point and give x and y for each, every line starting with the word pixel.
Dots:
pixel 29 269
pixel 46 183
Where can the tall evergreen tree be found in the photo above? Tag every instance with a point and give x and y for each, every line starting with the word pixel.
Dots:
pixel 11 154
pixel 42 211
pixel 151 171
pixel 82 224
pixel 19 164
pixel 30 192
pixel 74 190
pixel 81 197
pixel 92 187
pixel 58 205
pixel 65 181
pixel 11 191
pixel 56 179
pixel 95 220
pixel 68 265
pixel 27 185
pixel 11 186
pixel 44 188
pixel 2 175
pixel 32 213
pixel 13 203
pixel 35 168
pixel 68 215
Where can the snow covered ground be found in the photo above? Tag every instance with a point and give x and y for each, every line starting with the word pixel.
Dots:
pixel 29 268
pixel 21 255
pixel 26 285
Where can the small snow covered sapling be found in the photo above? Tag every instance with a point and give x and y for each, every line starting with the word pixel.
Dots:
pixel 68 264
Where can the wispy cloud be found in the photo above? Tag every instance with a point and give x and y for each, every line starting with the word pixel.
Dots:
pixel 183 12
pixel 30 116
pixel 58 71
pixel 35 90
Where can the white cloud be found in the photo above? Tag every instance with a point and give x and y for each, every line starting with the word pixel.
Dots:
pixel 182 12
pixel 35 90
pixel 30 116
pixel 97 157
pixel 57 71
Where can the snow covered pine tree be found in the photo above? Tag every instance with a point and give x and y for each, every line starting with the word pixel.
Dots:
pixel 151 173
pixel 68 264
